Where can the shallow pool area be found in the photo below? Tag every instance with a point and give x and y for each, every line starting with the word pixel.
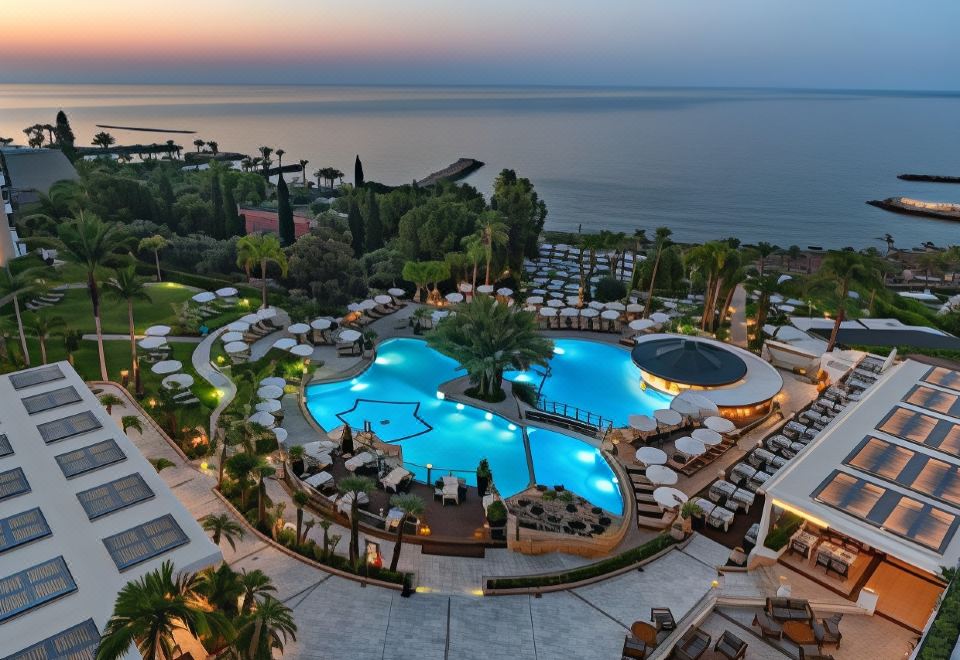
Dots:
pixel 397 396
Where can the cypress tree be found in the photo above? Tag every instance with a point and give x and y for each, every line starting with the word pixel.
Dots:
pixel 285 212
pixel 358 172
pixel 216 203
pixel 373 227
pixel 65 137
pixel 234 221
pixel 355 222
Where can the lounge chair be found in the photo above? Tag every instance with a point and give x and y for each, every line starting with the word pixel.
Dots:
pixel 396 480
pixel 692 645
pixel 662 618
pixel 730 646
pixel 769 628
pixel 827 631
pixel 362 460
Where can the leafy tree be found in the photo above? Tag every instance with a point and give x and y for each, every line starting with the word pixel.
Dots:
pixel 524 212
pixel 436 227
pixel 161 464
pixel 358 172
pixel 241 466
pixel 221 588
pixel 65 137
pixel 223 527
pixel 126 287
pixel 354 487
pixel 280 154
pixel 488 338
pixel 42 325
pixel 261 250
pixel 103 140
pixel 609 289
pixel 218 215
pixel 255 584
pixel 373 229
pixel 323 263
pixel 410 506
pixel 284 212
pixel 154 244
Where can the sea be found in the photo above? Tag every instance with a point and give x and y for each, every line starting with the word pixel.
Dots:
pixel 785 166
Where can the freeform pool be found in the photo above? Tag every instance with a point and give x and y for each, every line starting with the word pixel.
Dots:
pixel 397 395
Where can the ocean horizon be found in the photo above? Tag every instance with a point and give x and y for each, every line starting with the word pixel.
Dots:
pixel 786 166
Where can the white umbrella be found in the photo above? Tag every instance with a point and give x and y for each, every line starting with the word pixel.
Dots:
pixel 593 304
pixel 641 324
pixel 634 308
pixel 667 417
pixel 651 456
pixel 281 433
pixel 589 312
pixel 789 309
pixel 285 343
pixel 382 299
pixel 776 299
pixel 270 406
pixel 250 319
pixel 668 497
pixel 158 331
pixel 204 297
pixel 719 424
pixel 573 301
pixel 350 335
pixel 263 419
pixel 151 343
pixel 177 381
pixel 317 480
pixel 689 446
pixel 549 312
pixel 236 347
pixel 685 407
pixel 167 367
pixel 302 350
pixel 555 303
pixel 465 287
pixel 366 305
pixel 642 423
pixel 569 311
pixel 610 314
pixel 485 288
pixel 238 326
pixel 535 300
pixel 228 337
pixel 706 436
pixel 396 293
pixel 226 292
pixel 321 324
pixel 270 392
pixel 268 313
pixel 659 317
pixel 299 328
pixel 353 307
pixel 276 381
pixel 454 297
pixel 706 406
pixel 504 291
pixel 661 475
pixel 438 315
pixel 619 306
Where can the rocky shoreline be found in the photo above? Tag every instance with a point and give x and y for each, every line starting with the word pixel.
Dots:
pixel 452 172
pixel 942 211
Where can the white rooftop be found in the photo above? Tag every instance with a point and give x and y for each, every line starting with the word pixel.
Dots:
pixel 87 506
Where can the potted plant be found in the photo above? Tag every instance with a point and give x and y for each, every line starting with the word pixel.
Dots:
pixel 296 459
pixel 682 527
pixel 497 519
pixel 484 477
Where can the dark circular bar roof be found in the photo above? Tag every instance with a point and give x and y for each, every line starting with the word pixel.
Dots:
pixel 688 361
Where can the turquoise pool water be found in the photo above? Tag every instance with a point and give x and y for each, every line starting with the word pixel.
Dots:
pixel 599 378
pixel 397 396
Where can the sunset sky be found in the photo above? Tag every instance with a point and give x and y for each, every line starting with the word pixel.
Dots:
pixel 881 44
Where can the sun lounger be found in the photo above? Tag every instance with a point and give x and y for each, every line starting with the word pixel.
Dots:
pixel 742 473
pixel 360 461
pixel 397 478
pixel 345 502
pixel 322 482
pixel 730 646
pixel 720 517
pixel 692 645
pixel 752 533
pixel 318 460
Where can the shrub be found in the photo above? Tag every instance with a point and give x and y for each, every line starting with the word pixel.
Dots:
pixel 566 496
pixel 525 392
pixel 496 513
pixel 608 289
pixel 941 639
pixel 783 530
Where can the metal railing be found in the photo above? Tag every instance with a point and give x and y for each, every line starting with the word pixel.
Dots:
pixel 573 413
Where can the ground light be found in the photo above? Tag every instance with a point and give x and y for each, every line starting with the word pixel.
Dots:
pixel 558 351
pixel 460 406
pixel 512 427
pixel 488 417
pixel 441 395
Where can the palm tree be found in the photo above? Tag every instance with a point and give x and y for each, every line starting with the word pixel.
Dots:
pixel 765 286
pixel 254 583
pixel 265 630
pixel 42 326
pixel 148 612
pixel 417 272
pixel 126 286
pixel 493 235
pixel 300 500
pixel 660 241
pixel 223 527
pixel 844 268
pixel 280 153
pixel 198 143
pixel 221 587
pixel 410 506
pixel 161 464
pixel 488 338
pixel 240 466
pixel 239 431
pixel 93 244
pixel 214 147
pixel 265 157
pixel 354 487
pixel 14 286
pixel 475 251
pixel 262 470
pixel 303 171
pixel 261 250
pixel 128 422
pixel 108 401
pixel 154 244
pixel 763 251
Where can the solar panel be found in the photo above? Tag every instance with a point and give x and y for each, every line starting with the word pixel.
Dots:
pixel 146 541
pixel 905 467
pixel 115 495
pixel 12 483
pixel 922 429
pixel 35 377
pixel 90 458
pixel 68 427
pixel 888 510
pixel 77 642
pixel 943 378
pixel 936 400
pixel 34 586
pixel 52 399
pixel 22 528
pixel 5 448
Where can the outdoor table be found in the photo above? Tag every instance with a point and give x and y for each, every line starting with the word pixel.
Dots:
pixel 804 542
pixel 706 507
pixel 799 632
pixel 645 632
pixel 743 498
pixel 836 553
pixel 721 517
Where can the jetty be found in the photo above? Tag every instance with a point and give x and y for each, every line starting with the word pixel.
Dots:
pixel 144 129
pixel 461 168
pixel 931 178
pixel 941 210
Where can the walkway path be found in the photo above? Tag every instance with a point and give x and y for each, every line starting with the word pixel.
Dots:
pixel 119 337
pixel 738 321
pixel 205 369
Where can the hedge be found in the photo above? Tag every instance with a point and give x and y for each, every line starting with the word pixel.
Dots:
pixel 783 530
pixel 941 639
pixel 624 559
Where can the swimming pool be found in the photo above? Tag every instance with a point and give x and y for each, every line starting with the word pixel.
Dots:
pixel 397 395
pixel 596 377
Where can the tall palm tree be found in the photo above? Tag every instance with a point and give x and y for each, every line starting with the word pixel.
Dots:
pixel 214 147
pixel 410 506
pixel 475 251
pixel 93 244
pixel 280 153
pixel 240 466
pixel 488 338
pixel 222 588
pixel 103 140
pixel 763 251
pixel 223 527
pixel 14 286
pixel 354 487
pixel 493 235
pixel 148 612
pixel 254 584
pixel 43 325
pixel 765 286
pixel 265 630
pixel 125 286
pixel 198 143
pixel 262 470
pixel 239 431
pixel 660 241
pixel 303 171
pixel 844 268
pixel 154 244
pixel 261 250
